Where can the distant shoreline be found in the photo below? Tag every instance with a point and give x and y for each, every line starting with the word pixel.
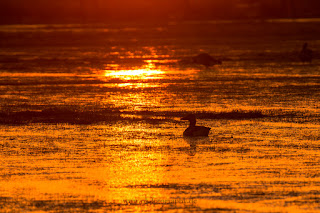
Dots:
pixel 171 22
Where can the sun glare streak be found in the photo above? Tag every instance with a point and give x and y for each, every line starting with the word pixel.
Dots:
pixel 147 72
pixel 133 74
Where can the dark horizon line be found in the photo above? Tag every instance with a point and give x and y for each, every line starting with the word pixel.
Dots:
pixel 149 21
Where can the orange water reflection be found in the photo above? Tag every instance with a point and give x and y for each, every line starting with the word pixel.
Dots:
pixel 115 165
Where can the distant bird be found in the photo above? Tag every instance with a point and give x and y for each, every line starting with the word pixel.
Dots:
pixel 305 54
pixel 193 130
pixel 205 59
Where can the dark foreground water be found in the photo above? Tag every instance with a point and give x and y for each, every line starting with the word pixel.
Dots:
pixel 90 118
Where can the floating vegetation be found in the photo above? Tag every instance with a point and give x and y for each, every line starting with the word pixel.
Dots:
pixel 112 114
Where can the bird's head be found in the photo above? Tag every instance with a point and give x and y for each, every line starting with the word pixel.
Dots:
pixel 218 61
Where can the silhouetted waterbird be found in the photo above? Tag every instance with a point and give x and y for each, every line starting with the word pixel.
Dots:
pixel 205 59
pixel 193 130
pixel 305 54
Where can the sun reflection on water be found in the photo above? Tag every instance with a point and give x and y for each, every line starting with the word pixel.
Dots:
pixel 146 72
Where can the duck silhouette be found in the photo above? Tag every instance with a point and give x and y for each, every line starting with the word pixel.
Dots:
pixel 306 54
pixel 205 59
pixel 193 130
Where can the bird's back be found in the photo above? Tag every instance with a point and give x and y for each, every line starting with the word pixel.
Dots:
pixel 205 59
pixel 196 131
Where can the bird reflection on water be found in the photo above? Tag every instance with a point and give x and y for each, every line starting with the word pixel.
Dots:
pixel 194 142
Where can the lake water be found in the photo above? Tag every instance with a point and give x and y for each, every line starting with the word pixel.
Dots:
pixel 90 118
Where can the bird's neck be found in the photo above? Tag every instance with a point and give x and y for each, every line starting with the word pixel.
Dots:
pixel 192 123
